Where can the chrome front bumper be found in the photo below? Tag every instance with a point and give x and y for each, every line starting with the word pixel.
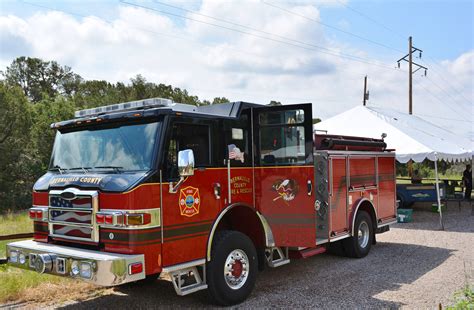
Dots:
pixel 101 268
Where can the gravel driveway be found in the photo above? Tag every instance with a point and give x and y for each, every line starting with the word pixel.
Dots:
pixel 414 265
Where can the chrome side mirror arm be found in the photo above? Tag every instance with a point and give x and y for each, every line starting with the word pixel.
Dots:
pixel 185 169
pixel 173 189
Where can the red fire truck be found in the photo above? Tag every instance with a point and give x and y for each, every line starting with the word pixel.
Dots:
pixel 208 195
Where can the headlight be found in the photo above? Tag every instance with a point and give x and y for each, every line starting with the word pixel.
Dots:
pixel 86 270
pixel 75 268
pixel 14 256
pixel 22 258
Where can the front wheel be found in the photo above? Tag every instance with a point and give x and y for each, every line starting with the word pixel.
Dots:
pixel 359 244
pixel 232 271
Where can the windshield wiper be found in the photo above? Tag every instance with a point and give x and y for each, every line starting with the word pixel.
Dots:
pixel 58 168
pixel 116 168
pixel 84 169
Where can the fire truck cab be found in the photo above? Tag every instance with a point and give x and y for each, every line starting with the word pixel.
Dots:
pixel 208 195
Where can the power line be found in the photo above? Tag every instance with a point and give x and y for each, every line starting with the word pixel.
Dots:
pixel 313 47
pixel 330 26
pixel 370 18
pixel 441 101
pixel 398 34
pixel 433 63
pixel 256 30
pixel 444 118
pixel 172 36
pixel 213 91
pixel 446 93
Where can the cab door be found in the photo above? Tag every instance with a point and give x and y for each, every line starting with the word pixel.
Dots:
pixel 283 164
pixel 189 212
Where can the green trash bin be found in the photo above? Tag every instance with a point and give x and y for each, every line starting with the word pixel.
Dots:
pixel 404 215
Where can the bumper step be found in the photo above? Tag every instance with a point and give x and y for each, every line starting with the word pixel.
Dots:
pixel 106 269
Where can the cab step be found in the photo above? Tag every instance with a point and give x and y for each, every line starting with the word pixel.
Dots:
pixel 276 257
pixel 186 277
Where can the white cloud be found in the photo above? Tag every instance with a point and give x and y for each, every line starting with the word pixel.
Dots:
pixel 212 62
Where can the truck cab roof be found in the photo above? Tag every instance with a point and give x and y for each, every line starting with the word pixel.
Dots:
pixel 146 108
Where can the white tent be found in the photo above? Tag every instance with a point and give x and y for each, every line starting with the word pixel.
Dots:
pixel 412 137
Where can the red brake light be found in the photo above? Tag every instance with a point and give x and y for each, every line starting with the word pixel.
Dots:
pixel 109 219
pixel 36 214
pixel 99 218
pixel 135 268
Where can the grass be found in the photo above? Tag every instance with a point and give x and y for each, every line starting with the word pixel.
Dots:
pixel 15 282
pixel 463 299
pixel 18 285
pixel 3 247
pixel 15 223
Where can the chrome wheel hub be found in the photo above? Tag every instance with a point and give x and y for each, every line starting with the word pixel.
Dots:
pixel 363 234
pixel 236 269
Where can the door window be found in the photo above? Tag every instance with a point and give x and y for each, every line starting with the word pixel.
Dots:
pixel 282 138
pixel 195 137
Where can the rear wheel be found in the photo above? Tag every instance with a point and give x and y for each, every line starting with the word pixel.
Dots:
pixel 232 271
pixel 360 243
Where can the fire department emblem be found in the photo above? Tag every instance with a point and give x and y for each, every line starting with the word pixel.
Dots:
pixel 286 189
pixel 189 201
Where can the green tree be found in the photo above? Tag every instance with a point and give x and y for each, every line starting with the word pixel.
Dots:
pixel 218 100
pixel 15 149
pixel 40 78
pixel 46 112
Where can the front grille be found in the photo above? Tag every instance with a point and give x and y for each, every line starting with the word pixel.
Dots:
pixel 78 203
pixel 73 218
pixel 66 216
pixel 72 231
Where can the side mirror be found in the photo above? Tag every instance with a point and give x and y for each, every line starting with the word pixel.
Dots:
pixel 186 163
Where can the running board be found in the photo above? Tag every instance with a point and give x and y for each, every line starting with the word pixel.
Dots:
pixel 276 257
pixel 186 278
pixel 308 252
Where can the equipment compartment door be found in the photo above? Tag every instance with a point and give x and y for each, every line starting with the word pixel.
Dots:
pixel 338 190
pixel 284 172
pixel 321 204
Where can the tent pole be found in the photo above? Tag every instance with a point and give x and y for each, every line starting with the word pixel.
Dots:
pixel 437 193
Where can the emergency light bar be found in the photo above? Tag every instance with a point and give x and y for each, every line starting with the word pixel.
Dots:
pixel 131 105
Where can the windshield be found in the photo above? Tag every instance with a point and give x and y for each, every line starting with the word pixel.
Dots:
pixel 121 148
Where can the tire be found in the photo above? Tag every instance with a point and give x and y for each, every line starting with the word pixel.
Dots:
pixel 224 287
pixel 359 244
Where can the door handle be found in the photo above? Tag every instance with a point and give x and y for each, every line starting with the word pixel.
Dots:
pixel 309 187
pixel 217 190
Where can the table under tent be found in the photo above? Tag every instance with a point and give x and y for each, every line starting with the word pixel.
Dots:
pixel 413 138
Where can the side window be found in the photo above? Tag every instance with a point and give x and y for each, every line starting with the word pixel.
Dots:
pixel 282 138
pixel 188 136
pixel 237 135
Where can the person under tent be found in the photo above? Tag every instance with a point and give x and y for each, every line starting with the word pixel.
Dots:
pixel 416 177
pixel 467 182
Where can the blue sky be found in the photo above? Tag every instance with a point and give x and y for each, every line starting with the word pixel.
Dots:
pixel 115 41
pixel 443 29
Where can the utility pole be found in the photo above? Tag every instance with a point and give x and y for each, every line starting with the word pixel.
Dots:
pixel 411 50
pixel 410 76
pixel 366 93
